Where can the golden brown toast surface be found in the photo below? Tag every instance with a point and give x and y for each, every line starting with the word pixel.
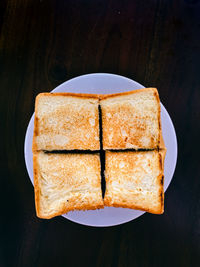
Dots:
pixel 66 121
pixel 131 120
pixel 65 182
pixel 135 180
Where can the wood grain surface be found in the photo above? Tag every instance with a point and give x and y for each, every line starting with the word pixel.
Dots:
pixel 44 43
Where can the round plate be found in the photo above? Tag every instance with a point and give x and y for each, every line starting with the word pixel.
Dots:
pixel 103 83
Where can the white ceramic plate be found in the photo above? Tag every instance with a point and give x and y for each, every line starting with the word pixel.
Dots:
pixel 103 83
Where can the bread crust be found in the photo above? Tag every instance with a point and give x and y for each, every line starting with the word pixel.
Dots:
pixel 35 130
pixel 66 210
pixel 158 211
pixel 36 184
pixel 69 94
pixel 162 154
pixel 106 96
pixel 162 143
pixel 159 118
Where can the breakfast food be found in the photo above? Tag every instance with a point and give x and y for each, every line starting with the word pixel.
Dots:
pixel 66 121
pixel 135 180
pixel 65 182
pixel 71 133
pixel 131 120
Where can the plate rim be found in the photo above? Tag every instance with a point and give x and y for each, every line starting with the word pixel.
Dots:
pixel 97 74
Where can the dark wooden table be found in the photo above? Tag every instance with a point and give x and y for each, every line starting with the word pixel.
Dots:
pixel 44 43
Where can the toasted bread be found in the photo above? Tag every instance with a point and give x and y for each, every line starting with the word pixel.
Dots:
pixel 131 120
pixel 135 180
pixel 66 121
pixel 66 182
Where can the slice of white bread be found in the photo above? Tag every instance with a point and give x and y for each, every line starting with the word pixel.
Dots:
pixel 66 121
pixel 135 180
pixel 66 182
pixel 131 120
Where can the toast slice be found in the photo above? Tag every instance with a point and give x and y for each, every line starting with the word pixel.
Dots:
pixel 131 120
pixel 66 121
pixel 66 182
pixel 135 180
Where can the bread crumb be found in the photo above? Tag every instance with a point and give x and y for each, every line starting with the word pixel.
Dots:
pixel 92 122
pixel 124 133
pixel 110 137
pixel 60 140
pixel 145 141
pixel 121 164
pixel 129 145
pixel 87 135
